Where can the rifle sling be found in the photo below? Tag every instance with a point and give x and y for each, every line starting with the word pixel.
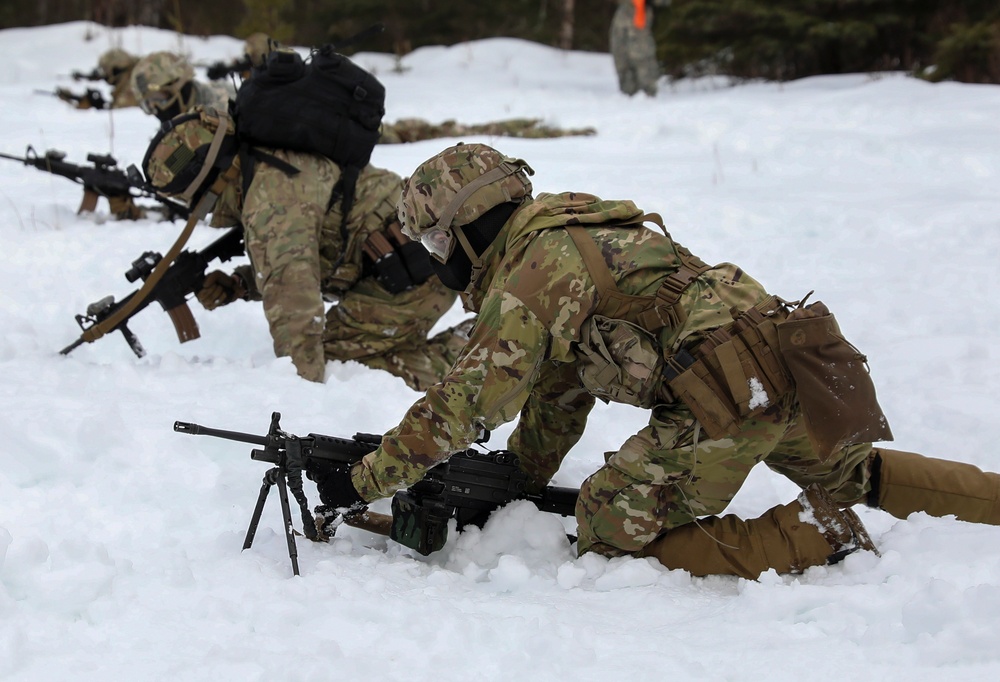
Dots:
pixel 205 205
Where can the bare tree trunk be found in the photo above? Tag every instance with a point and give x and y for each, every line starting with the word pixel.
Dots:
pixel 149 12
pixel 42 12
pixel 566 31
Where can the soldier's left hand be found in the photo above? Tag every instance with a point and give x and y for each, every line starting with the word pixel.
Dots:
pixel 219 289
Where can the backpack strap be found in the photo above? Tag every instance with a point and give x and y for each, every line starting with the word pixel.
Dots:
pixel 344 190
pixel 652 313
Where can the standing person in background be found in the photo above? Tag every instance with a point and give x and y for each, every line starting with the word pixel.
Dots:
pixel 633 46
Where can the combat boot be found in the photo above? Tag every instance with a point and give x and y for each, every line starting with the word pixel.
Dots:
pixel 905 482
pixel 841 528
pixel 811 531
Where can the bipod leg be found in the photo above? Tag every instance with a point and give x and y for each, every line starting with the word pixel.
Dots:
pixel 286 515
pixel 265 488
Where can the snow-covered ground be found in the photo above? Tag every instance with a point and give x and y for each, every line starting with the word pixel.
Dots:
pixel 120 539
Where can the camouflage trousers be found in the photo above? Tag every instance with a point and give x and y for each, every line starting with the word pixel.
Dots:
pixel 389 331
pixel 634 54
pixel 665 476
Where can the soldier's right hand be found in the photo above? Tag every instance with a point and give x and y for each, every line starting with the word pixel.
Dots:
pixel 220 288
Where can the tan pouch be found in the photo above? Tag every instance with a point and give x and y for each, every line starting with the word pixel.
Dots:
pixel 735 373
pixel 620 361
pixel 696 386
pixel 833 386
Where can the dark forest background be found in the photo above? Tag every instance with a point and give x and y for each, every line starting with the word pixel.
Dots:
pixel 742 39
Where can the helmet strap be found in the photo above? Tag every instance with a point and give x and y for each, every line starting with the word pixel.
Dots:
pixel 499 173
pixel 477 260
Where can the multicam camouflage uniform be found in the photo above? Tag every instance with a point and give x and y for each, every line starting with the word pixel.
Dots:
pixel 169 73
pixel 523 359
pixel 299 259
pixel 541 287
pixel 633 46
pixel 416 129
pixel 116 65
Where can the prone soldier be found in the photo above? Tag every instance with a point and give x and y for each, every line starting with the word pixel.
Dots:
pixel 116 66
pixel 417 129
pixel 165 86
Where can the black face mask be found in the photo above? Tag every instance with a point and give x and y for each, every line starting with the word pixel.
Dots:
pixel 175 109
pixel 456 274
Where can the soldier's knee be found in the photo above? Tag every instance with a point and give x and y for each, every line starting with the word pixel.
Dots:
pixel 617 511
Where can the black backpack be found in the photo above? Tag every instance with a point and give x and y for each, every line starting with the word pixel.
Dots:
pixel 324 105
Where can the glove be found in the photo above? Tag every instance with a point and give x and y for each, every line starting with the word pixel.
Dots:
pixel 220 288
pixel 333 481
pixel 124 208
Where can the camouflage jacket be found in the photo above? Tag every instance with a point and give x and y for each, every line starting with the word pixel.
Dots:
pixel 533 298
pixel 122 94
pixel 341 265
pixel 214 95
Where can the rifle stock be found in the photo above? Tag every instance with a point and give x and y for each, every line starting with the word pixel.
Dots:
pixel 467 487
pixel 92 75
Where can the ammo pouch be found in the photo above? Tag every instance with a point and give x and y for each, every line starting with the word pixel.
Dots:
pixel 621 362
pixel 397 262
pixel 834 389
pixel 735 373
pixel 744 367
pixel 423 527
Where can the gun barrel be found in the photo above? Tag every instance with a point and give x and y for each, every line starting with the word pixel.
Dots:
pixel 557 500
pixel 71 347
pixel 198 430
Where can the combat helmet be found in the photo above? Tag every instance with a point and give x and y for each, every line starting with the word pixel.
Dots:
pixel 115 63
pixel 188 154
pixel 158 80
pixel 257 47
pixel 454 188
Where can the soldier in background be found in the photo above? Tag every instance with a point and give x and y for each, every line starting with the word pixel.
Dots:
pixel 303 252
pixel 115 68
pixel 255 50
pixel 576 301
pixel 165 86
pixel 417 129
pixel 633 46
pixel 116 65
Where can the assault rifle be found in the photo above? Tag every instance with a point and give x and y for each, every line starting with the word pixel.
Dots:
pixel 467 487
pixel 185 276
pixel 220 70
pixel 91 99
pixel 102 178
pixel 95 74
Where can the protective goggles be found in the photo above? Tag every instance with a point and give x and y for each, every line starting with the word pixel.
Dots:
pixel 157 99
pixel 439 243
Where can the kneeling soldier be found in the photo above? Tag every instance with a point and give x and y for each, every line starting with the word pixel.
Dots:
pixel 303 252
pixel 577 300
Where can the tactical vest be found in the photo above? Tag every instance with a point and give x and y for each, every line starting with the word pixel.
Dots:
pixel 738 370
